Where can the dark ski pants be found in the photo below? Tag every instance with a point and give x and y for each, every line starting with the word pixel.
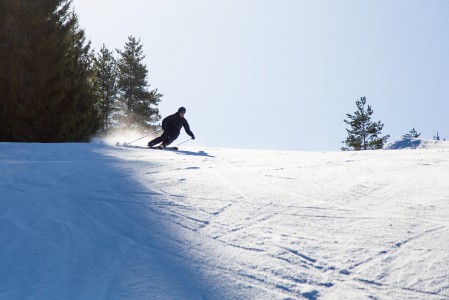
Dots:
pixel 167 138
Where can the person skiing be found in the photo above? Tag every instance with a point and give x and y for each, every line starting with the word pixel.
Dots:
pixel 172 126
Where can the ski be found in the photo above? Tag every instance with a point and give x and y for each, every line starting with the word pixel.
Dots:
pixel 166 148
pixel 126 145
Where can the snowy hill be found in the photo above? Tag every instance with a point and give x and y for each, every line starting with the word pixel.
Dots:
pixel 89 221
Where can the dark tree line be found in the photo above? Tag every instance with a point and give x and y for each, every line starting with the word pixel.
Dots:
pixel 54 88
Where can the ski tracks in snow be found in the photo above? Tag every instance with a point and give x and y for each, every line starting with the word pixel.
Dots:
pixel 310 225
pixel 242 224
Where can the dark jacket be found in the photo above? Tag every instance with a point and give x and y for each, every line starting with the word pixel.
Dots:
pixel 174 123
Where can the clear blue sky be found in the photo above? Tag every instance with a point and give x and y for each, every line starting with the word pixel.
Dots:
pixel 282 74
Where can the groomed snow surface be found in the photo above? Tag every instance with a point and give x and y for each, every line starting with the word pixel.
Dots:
pixel 92 221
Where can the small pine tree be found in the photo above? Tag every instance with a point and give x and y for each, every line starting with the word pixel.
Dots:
pixel 106 82
pixel 412 134
pixel 436 137
pixel 363 134
pixel 138 105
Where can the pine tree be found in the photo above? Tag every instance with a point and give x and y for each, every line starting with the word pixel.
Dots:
pixel 412 134
pixel 79 116
pixel 47 89
pixel 436 137
pixel 17 33
pixel 363 134
pixel 138 105
pixel 106 73
pixel 4 50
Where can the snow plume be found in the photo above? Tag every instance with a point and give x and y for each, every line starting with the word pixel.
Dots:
pixel 122 136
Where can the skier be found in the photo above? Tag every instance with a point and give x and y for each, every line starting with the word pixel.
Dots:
pixel 172 127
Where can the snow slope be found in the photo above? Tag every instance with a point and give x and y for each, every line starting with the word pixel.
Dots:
pixel 90 221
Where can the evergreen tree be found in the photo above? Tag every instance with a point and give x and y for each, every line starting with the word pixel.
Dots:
pixel 412 134
pixel 4 49
pixel 80 118
pixel 363 134
pixel 138 105
pixel 436 137
pixel 46 88
pixel 17 75
pixel 106 71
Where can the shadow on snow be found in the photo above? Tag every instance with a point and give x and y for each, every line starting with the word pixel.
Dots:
pixel 73 225
pixel 184 152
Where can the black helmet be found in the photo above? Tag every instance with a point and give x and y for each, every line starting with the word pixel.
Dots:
pixel 182 110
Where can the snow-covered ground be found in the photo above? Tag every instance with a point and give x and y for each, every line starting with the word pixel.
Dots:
pixel 90 221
